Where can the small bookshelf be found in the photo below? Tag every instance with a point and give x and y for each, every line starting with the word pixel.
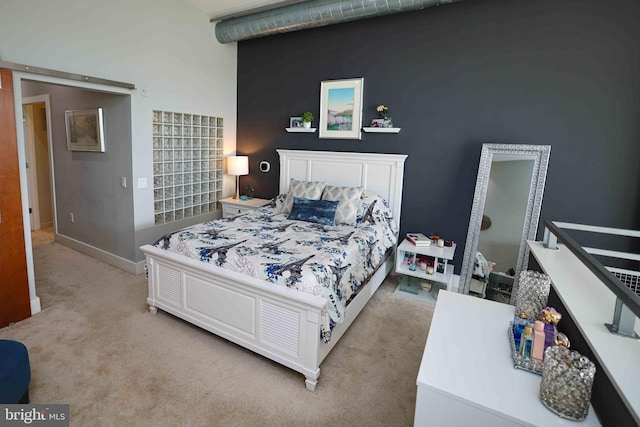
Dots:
pixel 429 263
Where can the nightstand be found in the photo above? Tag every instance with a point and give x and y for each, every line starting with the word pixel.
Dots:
pixel 439 275
pixel 232 207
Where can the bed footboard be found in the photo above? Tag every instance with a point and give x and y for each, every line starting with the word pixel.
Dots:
pixel 276 322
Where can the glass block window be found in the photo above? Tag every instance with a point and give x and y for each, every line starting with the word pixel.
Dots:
pixel 187 165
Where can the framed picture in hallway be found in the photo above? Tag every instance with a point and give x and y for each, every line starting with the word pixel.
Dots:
pixel 341 108
pixel 85 130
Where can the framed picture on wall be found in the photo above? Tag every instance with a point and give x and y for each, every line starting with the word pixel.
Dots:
pixel 85 130
pixel 295 122
pixel 341 108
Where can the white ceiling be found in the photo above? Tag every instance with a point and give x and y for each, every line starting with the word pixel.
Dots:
pixel 227 8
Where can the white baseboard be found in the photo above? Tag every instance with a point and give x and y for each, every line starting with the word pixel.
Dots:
pixel 35 306
pixel 139 267
pixel 123 264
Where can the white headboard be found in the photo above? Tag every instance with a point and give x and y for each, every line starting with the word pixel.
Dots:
pixel 382 174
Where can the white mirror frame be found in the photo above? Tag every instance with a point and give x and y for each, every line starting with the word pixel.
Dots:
pixel 540 155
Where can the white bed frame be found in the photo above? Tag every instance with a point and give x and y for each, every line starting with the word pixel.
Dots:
pixel 279 323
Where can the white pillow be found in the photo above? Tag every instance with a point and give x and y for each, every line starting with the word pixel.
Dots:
pixel 349 197
pixel 311 190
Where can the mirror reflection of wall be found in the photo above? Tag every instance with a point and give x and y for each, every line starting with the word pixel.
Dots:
pixel 506 205
pixel 505 213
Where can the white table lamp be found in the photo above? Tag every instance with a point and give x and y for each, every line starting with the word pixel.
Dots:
pixel 238 165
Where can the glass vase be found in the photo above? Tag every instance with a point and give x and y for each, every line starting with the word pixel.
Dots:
pixel 567 380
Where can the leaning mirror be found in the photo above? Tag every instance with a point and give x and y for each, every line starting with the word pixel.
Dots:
pixel 504 215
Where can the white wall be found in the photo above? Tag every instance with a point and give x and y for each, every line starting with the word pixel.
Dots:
pixel 165 48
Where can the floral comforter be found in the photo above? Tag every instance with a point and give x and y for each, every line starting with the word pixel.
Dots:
pixel 330 261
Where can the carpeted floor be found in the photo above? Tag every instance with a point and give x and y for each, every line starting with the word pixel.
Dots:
pixel 96 347
pixel 42 236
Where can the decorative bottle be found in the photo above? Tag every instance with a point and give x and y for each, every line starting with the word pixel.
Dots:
pixel 519 322
pixel 549 335
pixel 550 317
pixel 537 351
pixel 412 262
pixel 526 342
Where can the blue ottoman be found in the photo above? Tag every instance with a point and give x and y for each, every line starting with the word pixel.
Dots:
pixel 15 372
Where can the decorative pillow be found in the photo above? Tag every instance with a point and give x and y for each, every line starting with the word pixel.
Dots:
pixel 348 198
pixel 374 209
pixel 367 199
pixel 311 190
pixel 277 202
pixel 318 211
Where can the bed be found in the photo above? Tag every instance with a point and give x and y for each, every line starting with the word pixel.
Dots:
pixel 281 323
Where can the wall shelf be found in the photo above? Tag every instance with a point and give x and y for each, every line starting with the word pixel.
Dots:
pixel 308 130
pixel 381 130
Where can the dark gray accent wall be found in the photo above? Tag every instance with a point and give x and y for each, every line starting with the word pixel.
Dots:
pixel 459 75
pixel 88 184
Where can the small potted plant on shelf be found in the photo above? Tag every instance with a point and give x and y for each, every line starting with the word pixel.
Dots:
pixel 307 118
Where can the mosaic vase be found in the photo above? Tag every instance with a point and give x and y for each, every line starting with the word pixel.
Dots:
pixel 532 293
pixel 567 380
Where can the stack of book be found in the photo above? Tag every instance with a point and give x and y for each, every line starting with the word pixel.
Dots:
pixel 418 239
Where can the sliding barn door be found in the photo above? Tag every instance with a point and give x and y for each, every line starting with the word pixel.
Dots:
pixel 14 285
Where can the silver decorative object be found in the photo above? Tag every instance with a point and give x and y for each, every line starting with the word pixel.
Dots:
pixel 532 293
pixel 567 380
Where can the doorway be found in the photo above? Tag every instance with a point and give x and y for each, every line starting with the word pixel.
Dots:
pixel 118 162
pixel 36 114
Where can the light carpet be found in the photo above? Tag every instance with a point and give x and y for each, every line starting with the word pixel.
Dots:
pixel 96 347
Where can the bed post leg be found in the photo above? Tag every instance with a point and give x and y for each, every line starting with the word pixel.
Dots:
pixel 153 309
pixel 311 383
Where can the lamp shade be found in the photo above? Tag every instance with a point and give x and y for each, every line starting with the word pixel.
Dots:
pixel 238 165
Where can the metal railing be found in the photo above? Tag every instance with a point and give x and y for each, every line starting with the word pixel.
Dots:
pixel 627 306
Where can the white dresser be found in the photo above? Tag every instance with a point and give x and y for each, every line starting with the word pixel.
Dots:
pixel 467 378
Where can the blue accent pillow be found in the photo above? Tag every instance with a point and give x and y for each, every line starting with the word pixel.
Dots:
pixel 318 211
